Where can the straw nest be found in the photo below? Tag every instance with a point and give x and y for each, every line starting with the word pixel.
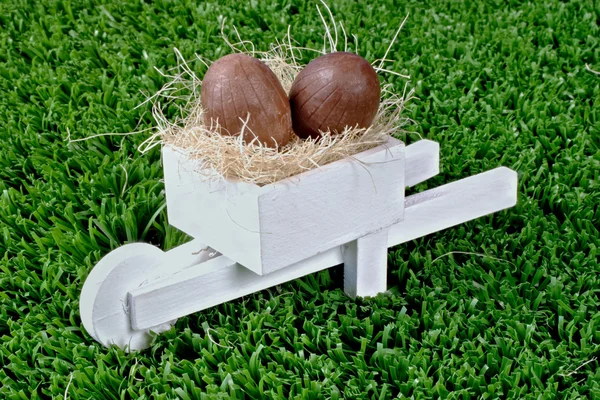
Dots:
pixel 230 157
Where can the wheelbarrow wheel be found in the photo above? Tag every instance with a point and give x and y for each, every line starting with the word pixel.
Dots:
pixel 103 303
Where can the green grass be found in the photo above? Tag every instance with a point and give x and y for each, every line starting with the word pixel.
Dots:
pixel 500 83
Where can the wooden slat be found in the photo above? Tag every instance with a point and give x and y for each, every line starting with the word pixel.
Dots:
pixel 422 162
pixel 209 284
pixel 455 203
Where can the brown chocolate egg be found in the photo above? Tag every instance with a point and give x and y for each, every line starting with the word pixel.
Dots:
pixel 237 87
pixel 334 91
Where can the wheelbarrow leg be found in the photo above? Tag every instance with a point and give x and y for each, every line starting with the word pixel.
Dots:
pixel 365 265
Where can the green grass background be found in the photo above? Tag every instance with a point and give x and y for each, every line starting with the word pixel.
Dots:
pixel 499 82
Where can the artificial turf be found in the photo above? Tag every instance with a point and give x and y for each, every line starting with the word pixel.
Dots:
pixel 499 83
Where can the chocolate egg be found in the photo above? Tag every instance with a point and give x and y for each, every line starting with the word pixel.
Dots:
pixel 334 91
pixel 237 87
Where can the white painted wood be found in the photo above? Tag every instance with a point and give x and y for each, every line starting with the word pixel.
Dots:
pixel 261 227
pixel 365 265
pixel 223 214
pixel 181 257
pixel 103 305
pixel 455 203
pixel 214 282
pixel 327 207
pixel 422 162
pixel 284 231
pixel 221 280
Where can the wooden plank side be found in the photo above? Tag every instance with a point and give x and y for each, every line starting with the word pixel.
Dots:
pixel 331 206
pixel 223 214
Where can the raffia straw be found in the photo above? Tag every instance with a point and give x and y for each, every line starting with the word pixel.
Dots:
pixel 228 156
pixel 591 70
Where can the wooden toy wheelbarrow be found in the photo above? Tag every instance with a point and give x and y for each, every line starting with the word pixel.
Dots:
pixel 249 238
